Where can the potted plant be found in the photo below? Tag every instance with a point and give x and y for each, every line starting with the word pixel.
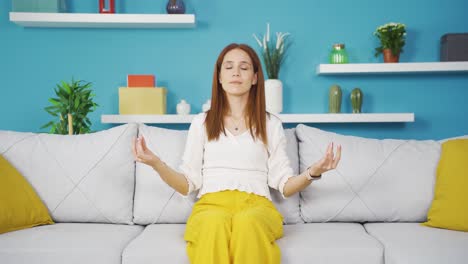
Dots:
pixel 392 38
pixel 73 103
pixel 273 53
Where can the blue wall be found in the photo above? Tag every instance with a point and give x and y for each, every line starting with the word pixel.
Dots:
pixel 33 60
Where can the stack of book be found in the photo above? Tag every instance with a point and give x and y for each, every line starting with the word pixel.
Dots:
pixel 142 97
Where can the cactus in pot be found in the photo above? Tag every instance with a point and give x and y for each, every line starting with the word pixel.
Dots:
pixel 334 99
pixel 356 100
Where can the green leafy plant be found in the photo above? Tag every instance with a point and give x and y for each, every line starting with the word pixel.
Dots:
pixel 273 52
pixel 73 103
pixel 392 36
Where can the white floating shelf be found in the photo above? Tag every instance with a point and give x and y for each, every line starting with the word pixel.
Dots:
pixel 401 67
pixel 286 118
pixel 95 20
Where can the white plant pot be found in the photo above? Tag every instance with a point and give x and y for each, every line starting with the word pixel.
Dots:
pixel 274 96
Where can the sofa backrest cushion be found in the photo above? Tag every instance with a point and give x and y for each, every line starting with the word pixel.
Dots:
pixel 156 202
pixel 80 178
pixel 376 180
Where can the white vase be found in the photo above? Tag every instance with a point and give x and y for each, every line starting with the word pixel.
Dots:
pixel 183 108
pixel 274 96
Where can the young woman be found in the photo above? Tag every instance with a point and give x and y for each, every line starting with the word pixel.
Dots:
pixel 234 153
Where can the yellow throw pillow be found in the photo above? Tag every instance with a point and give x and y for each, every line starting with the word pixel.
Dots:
pixel 449 208
pixel 20 207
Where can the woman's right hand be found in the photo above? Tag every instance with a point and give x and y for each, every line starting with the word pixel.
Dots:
pixel 141 152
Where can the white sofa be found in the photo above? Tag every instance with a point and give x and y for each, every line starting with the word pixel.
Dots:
pixel 109 210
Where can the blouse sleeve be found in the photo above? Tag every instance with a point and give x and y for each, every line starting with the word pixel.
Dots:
pixel 192 159
pixel 279 166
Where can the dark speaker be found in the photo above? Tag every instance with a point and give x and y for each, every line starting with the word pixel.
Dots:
pixel 454 47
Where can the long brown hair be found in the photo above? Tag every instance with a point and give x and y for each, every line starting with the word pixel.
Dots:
pixel 256 109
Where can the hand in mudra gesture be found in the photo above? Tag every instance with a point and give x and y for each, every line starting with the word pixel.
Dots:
pixel 142 153
pixel 328 162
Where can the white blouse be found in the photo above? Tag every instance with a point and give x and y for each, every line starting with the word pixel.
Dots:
pixel 236 162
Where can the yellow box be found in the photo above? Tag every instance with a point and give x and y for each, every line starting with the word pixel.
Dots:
pixel 142 101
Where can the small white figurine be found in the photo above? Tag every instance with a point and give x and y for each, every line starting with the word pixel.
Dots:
pixel 183 108
pixel 206 106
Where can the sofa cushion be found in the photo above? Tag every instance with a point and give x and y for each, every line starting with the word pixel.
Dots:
pixel 301 244
pixel 289 207
pixel 329 243
pixel 67 243
pixel 80 178
pixel 156 202
pixel 413 243
pixel 449 209
pixel 376 180
pixel 160 243
pixel 20 207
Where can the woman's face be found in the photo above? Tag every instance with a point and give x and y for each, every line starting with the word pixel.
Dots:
pixel 237 73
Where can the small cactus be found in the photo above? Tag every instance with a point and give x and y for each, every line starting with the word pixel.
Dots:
pixel 334 99
pixel 356 100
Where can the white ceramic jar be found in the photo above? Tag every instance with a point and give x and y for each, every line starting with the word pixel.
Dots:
pixel 183 108
pixel 206 106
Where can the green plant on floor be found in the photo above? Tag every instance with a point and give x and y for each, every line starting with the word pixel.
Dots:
pixel 71 107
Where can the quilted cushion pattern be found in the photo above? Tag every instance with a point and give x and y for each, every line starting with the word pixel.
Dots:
pixel 376 180
pixel 80 178
pixel 156 202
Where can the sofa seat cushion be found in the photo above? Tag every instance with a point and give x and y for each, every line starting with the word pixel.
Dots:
pixel 67 243
pixel 329 243
pixel 302 243
pixel 414 243
pixel 159 243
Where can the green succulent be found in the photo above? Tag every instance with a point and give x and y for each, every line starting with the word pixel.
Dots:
pixel 392 36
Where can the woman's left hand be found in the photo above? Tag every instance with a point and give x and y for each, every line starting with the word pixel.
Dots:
pixel 328 162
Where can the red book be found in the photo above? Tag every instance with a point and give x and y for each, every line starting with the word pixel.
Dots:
pixel 134 80
pixel 107 6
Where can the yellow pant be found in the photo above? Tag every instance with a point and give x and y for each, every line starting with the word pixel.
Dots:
pixel 233 227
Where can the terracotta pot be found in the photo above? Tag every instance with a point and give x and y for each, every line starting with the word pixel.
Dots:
pixel 389 57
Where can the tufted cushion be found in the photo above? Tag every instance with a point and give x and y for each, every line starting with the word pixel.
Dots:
pixel 156 202
pixel 376 180
pixel 80 178
pixel 289 207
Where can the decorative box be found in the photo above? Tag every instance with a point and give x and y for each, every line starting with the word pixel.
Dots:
pixel 47 6
pixel 134 80
pixel 142 101
pixel 454 47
